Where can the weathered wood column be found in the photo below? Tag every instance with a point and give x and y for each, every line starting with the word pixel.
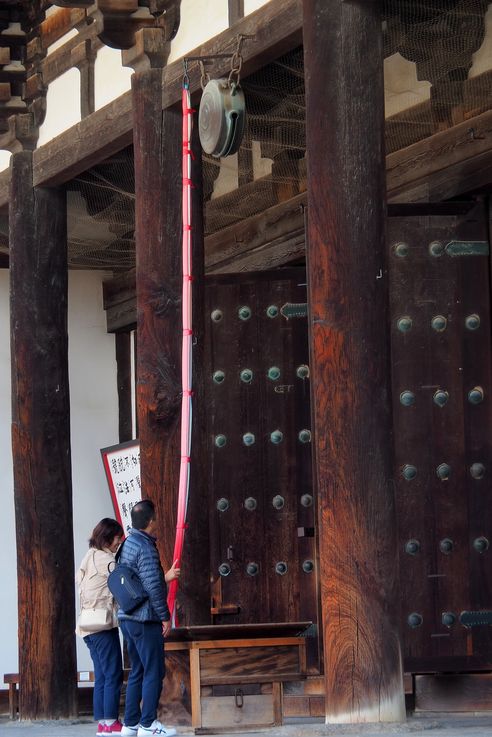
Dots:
pixel 350 369
pixel 158 190
pixel 41 446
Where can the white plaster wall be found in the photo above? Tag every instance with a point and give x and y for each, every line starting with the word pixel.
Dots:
pixel 199 22
pixel 402 89
pixel 62 106
pixel 251 5
pixel 111 79
pixel 482 59
pixel 94 425
pixel 93 409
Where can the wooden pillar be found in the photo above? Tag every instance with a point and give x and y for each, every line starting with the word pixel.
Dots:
pixel 236 11
pixel 41 446
pixel 350 369
pixel 123 347
pixel 158 190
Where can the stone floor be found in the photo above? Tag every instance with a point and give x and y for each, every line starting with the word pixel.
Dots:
pixel 437 725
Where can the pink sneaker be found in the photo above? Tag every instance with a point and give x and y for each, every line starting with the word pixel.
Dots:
pixel 100 729
pixel 114 728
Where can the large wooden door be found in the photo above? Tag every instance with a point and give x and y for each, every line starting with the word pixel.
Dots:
pixel 441 369
pixel 263 545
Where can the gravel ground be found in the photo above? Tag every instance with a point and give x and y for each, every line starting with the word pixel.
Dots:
pixel 417 726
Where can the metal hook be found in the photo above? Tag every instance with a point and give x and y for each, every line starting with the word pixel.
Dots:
pixel 186 78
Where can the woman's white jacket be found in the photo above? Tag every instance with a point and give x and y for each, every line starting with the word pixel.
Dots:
pixel 92 582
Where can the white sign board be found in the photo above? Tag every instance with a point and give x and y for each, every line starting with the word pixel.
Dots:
pixel 122 466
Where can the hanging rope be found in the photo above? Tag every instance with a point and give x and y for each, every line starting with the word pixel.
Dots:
pixel 186 352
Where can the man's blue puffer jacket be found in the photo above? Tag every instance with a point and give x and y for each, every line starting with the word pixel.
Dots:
pixel 139 551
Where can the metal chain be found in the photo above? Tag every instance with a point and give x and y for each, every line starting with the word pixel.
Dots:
pixel 234 77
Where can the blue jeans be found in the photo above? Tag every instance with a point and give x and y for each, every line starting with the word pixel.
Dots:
pixel 145 644
pixel 105 651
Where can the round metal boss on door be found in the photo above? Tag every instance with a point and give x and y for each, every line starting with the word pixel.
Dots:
pixel 250 503
pixel 440 397
pixel 220 441
pixel 436 248
pixel 407 398
pixel 477 470
pixel 304 436
pixel 221 118
pixel 448 619
pixel 276 437
pixel 408 472
pixel 248 438
pixel 472 322
pixel 252 569
pixel 401 250
pixel 308 566
pixel 306 500
pixel 281 568
pixel 216 315
pixel 443 471
pixel 218 377
pixel 415 619
pixel 475 395
pixel 278 502
pixel 446 546
pixel 246 376
pixel 224 569
pixel 481 544
pixel 244 313
pixel 302 371
pixel 222 505
pixel 404 324
pixel 439 323
pixel 412 547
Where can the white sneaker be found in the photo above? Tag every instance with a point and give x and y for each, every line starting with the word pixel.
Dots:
pixel 156 728
pixel 127 731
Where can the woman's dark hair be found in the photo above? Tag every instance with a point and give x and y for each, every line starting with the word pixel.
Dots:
pixel 142 513
pixel 104 533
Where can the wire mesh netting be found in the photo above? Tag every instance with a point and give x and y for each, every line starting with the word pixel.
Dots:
pixel 438 72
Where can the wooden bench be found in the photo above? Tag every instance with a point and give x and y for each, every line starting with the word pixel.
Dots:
pixel 13 682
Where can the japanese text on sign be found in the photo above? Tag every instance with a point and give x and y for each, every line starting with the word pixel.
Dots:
pixel 122 466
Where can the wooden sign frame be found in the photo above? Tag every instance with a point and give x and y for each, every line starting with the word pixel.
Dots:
pixel 122 467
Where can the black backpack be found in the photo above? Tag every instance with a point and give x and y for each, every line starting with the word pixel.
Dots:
pixel 126 586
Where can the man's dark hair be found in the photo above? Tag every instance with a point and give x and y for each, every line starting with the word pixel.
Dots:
pixel 104 533
pixel 142 513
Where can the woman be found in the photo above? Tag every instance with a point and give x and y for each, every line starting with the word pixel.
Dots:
pixel 104 646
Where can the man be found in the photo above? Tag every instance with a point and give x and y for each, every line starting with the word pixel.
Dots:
pixel 146 627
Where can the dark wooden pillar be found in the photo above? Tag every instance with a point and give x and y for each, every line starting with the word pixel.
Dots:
pixel 158 189
pixel 350 369
pixel 123 347
pixel 41 446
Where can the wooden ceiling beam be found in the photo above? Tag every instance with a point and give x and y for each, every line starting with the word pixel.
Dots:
pixel 444 165
pixel 447 164
pixel 276 27
pixel 59 24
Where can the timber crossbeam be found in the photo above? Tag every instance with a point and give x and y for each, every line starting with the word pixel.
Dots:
pixel 446 164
